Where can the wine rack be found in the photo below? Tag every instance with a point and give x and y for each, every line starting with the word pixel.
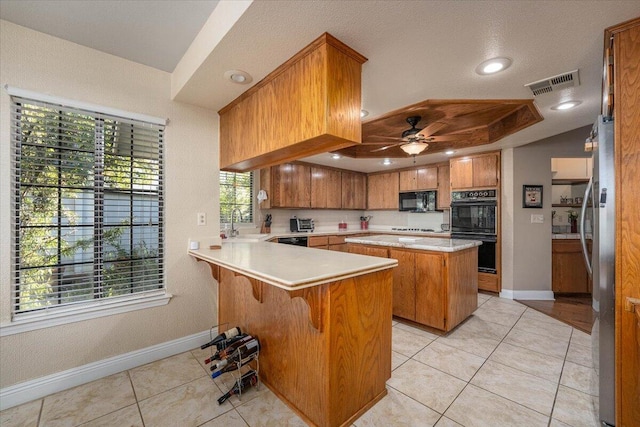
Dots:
pixel 236 340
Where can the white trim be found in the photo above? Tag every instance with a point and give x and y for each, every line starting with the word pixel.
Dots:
pixel 60 316
pixel 14 91
pixel 37 388
pixel 527 295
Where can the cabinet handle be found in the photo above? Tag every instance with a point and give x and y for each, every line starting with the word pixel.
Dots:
pixel 631 303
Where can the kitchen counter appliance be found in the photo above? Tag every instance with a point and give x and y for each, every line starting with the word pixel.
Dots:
pixel 301 224
pixel 297 241
pixel 473 217
pixel 601 265
pixel 417 201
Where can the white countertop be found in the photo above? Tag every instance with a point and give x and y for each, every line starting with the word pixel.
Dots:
pixel 291 267
pixel 416 242
pixel 570 236
pixel 331 231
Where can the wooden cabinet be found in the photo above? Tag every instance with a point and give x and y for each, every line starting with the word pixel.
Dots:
pixel 482 170
pixel 326 185
pixel 337 243
pixel 289 186
pixel 436 289
pixel 354 190
pixel 568 272
pixel 444 187
pixel 622 60
pixel 319 242
pixel 309 105
pixel 404 284
pixel 424 178
pixel 382 191
pixel 378 251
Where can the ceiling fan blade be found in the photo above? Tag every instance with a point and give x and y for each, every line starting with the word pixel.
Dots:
pixel 389 138
pixel 382 148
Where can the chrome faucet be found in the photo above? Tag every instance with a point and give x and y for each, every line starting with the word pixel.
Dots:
pixel 234 230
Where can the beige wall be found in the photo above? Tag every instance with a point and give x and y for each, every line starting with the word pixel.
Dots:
pixel 37 62
pixel 526 253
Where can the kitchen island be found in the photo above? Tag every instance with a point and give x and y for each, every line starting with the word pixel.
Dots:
pixel 436 282
pixel 323 319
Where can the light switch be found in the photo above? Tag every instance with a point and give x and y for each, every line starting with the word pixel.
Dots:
pixel 537 219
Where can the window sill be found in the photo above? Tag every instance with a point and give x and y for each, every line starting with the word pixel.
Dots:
pixel 55 317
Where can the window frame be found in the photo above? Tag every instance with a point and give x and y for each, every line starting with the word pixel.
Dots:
pixel 89 308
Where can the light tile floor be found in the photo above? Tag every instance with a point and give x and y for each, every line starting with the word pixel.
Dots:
pixel 507 365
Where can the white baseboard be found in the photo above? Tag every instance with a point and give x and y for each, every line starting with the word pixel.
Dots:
pixel 527 295
pixel 44 386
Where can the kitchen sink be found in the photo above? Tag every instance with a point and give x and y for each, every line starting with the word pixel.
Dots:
pixel 258 236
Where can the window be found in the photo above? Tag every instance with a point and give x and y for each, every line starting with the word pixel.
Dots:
pixel 236 191
pixel 87 206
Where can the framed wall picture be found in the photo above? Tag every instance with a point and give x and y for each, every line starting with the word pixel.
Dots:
pixel 532 196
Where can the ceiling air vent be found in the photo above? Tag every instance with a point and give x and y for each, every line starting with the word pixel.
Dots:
pixel 555 83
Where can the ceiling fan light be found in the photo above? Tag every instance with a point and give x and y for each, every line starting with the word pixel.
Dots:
pixel 414 148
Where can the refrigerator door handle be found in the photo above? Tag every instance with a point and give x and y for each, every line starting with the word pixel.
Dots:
pixel 583 216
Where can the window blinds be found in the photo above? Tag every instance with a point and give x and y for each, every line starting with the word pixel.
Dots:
pixel 236 191
pixel 87 205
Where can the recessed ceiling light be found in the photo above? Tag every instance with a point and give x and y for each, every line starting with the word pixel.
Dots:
pixel 493 65
pixel 335 156
pixel 449 152
pixel 363 114
pixel 566 105
pixel 387 162
pixel 238 76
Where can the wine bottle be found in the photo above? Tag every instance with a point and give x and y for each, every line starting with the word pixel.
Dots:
pixel 221 354
pixel 228 345
pixel 248 379
pixel 223 336
pixel 240 357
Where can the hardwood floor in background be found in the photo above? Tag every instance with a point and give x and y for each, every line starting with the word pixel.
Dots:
pixel 573 310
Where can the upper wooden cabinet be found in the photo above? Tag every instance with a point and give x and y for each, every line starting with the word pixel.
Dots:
pixel 287 185
pixel 424 178
pixel 482 170
pixel 382 191
pixel 444 187
pixel 326 187
pixel 354 190
pixel 309 105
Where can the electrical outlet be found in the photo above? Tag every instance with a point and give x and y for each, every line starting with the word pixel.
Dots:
pixel 537 219
pixel 202 218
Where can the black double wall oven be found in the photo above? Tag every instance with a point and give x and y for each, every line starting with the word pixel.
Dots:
pixel 473 217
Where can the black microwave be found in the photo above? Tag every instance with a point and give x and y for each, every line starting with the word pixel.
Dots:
pixel 418 201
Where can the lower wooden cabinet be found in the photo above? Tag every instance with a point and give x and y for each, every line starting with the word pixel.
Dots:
pixel 320 242
pixel 436 289
pixel 568 272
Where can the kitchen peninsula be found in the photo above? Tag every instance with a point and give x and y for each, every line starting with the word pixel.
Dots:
pixel 436 282
pixel 323 319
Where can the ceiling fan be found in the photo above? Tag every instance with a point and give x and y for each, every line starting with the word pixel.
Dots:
pixel 412 141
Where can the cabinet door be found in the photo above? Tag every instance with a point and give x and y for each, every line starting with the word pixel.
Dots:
pixel 408 180
pixel 485 171
pixel 461 173
pixel 356 248
pixel 444 187
pixel 326 188
pixel 404 284
pixel 382 191
pixel 265 184
pixel 291 186
pixel 568 273
pixel 431 297
pixel 354 190
pixel 427 178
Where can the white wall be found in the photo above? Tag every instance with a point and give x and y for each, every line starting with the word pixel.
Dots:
pixel 526 250
pixel 41 63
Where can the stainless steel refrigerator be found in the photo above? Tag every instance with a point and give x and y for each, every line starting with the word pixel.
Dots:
pixel 600 196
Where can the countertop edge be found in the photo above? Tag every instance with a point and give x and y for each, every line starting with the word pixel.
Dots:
pixel 291 286
pixel 420 247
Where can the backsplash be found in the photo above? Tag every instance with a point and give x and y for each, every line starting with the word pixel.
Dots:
pixel 328 219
